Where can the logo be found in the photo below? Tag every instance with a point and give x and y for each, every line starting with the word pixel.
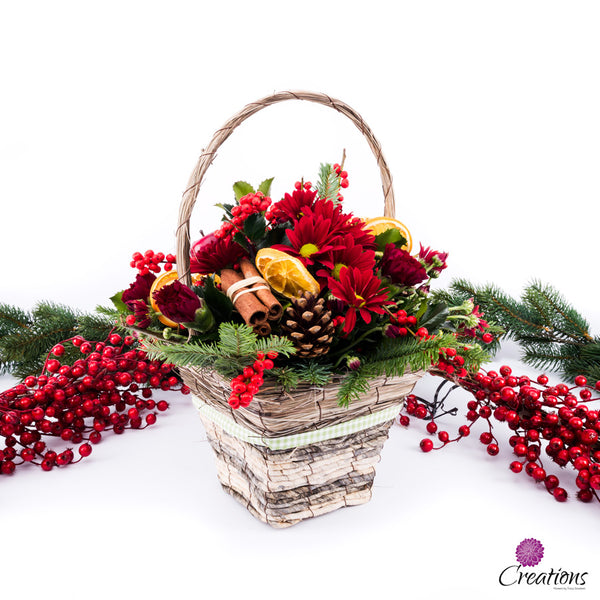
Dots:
pixel 530 553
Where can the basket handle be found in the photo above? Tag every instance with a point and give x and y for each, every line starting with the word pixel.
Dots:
pixel 210 153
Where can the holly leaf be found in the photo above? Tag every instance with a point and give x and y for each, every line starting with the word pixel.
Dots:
pixel 390 236
pixel 117 300
pixel 241 189
pixel 240 239
pixel 275 235
pixel 218 302
pixel 265 186
pixel 226 207
pixel 255 227
pixel 434 317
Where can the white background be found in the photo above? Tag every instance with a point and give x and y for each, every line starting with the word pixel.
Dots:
pixel 487 113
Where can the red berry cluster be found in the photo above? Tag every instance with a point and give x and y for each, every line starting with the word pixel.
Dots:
pixel 150 262
pixel 247 383
pixel 413 407
pixel 402 324
pixel 451 363
pixel 539 414
pixel 108 389
pixel 248 205
pixel 343 175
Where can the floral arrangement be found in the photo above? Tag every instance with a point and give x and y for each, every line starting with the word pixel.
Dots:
pixel 316 290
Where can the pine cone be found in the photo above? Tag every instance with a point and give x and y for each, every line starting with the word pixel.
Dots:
pixel 308 324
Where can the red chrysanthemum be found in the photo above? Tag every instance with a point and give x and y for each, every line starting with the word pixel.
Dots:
pixel 433 261
pixel 361 291
pixel 349 255
pixel 311 241
pixel 342 223
pixel 217 255
pixel 401 268
pixel 292 206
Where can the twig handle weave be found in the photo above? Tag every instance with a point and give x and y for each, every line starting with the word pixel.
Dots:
pixel 210 153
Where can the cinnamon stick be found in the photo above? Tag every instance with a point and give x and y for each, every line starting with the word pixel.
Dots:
pixel 264 295
pixel 263 329
pixel 252 310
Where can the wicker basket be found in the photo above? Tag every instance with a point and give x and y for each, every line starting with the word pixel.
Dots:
pixel 288 457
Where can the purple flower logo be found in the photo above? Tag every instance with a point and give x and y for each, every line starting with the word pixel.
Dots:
pixel 529 552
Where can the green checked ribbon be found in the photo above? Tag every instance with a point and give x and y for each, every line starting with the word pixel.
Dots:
pixel 299 439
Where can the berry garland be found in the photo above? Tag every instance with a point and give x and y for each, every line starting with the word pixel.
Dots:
pixel 109 389
pixel 557 416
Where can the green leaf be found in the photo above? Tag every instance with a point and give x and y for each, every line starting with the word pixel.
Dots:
pixel 241 189
pixel 255 227
pixel 119 304
pixel 226 207
pixel 240 239
pixel 265 186
pixel 434 317
pixel 218 302
pixel 390 236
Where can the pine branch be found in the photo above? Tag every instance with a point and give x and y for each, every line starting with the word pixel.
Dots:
pixel 315 373
pixel 328 185
pixel 237 347
pixel 354 385
pixel 12 318
pixel 27 337
pixel 556 311
pixel 286 377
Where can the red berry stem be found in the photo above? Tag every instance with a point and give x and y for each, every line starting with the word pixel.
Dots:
pixel 109 388
pixel 537 413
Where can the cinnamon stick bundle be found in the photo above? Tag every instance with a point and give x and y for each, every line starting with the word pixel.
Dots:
pixel 253 311
pixel 264 295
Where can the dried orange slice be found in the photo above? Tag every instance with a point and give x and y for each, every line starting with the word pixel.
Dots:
pixel 284 273
pixel 266 255
pixel 167 278
pixel 380 224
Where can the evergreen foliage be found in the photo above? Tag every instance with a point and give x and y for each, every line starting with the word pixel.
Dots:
pixel 551 333
pixel 328 185
pixel 393 359
pixel 236 348
pixel 27 337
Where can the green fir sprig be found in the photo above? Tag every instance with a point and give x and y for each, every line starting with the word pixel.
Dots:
pixel 393 359
pixel 328 186
pixel 552 334
pixel 236 348
pixel 26 337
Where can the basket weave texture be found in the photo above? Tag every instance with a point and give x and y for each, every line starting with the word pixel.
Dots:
pixel 284 486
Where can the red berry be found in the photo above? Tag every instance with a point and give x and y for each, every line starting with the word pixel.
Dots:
pixel 431 427
pixel 464 430
pixel 426 445
pixel 516 466
pixel 560 494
